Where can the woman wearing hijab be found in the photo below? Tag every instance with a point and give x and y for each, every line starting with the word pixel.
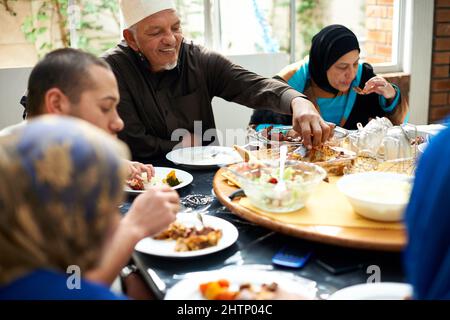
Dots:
pixel 331 78
pixel 427 217
pixel 62 183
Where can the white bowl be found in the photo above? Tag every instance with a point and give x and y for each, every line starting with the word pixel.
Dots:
pixel 380 196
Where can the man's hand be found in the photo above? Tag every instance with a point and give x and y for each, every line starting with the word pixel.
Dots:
pixel 308 122
pixel 136 168
pixel 152 212
pixel 191 140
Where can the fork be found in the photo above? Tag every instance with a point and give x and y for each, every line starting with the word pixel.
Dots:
pixel 200 218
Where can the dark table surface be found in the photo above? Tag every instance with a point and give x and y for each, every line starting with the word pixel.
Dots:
pixel 257 245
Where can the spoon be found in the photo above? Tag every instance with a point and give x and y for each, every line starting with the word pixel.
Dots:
pixel 281 185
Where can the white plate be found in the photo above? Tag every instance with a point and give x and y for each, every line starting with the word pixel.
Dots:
pixel 374 291
pixel 201 157
pixel 431 129
pixel 188 289
pixel 160 173
pixel 166 248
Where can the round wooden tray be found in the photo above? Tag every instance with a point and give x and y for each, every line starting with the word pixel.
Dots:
pixel 374 239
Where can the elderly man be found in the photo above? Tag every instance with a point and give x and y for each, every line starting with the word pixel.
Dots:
pixel 74 83
pixel 166 83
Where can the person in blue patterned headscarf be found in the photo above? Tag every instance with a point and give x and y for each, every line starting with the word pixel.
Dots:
pixel 427 255
pixel 62 183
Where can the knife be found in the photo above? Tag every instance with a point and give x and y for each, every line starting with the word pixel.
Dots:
pixel 159 287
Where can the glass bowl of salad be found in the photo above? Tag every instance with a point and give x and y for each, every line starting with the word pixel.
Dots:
pixel 258 180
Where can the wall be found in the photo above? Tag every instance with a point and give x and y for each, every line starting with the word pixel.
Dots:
pixel 440 75
pixel 13 83
pixel 15 50
pixel 379 15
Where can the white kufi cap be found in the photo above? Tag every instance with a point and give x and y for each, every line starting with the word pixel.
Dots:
pixel 134 11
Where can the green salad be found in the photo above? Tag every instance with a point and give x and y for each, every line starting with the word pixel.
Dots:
pixel 262 193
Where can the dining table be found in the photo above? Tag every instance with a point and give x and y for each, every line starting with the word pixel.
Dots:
pixel 332 267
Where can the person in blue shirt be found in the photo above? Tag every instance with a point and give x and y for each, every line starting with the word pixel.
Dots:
pixel 62 183
pixel 331 77
pixel 427 218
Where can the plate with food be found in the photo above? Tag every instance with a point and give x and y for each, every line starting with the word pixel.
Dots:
pixel 204 157
pixel 375 291
pixel 190 236
pixel 335 160
pixel 173 178
pixel 240 283
pixel 287 135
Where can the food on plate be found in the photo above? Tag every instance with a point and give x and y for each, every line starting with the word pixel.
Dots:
pixel 319 154
pixel 190 238
pixel 417 140
pixel 273 136
pixel 171 179
pixel 220 290
pixel 136 184
pixel 333 159
pixel 281 134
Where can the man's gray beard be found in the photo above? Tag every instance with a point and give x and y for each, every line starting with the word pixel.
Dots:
pixel 170 66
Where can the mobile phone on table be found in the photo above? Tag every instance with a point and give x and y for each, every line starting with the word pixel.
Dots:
pixel 291 257
pixel 339 264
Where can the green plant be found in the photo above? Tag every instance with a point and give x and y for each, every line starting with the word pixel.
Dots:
pixel 309 22
pixel 309 19
pixel 48 26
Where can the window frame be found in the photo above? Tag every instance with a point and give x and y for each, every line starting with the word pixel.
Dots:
pixel 398 41
pixel 213 32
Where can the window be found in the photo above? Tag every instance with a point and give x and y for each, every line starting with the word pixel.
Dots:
pixel 192 15
pixel 251 26
pixel 32 28
pixel 254 26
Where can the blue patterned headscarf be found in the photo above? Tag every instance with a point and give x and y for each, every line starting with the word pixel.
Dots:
pixel 61 182
pixel 427 256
